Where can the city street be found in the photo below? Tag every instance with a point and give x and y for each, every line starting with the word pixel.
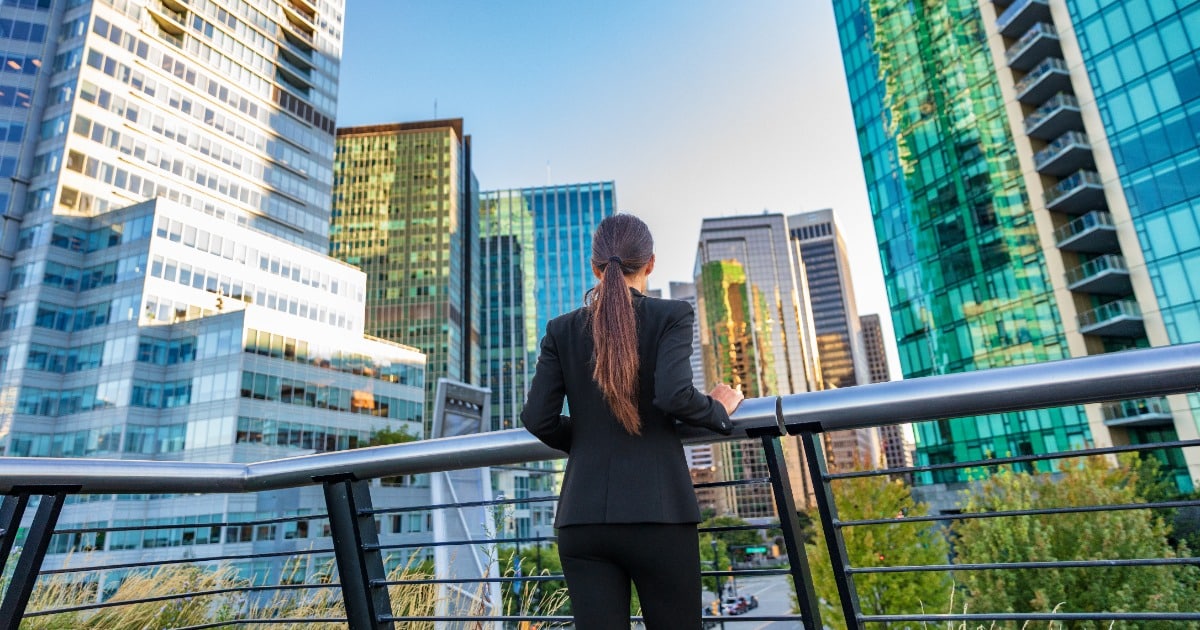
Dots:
pixel 774 598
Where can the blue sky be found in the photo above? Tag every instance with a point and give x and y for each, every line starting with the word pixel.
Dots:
pixel 695 108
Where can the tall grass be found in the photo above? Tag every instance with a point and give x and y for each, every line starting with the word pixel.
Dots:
pixel 171 607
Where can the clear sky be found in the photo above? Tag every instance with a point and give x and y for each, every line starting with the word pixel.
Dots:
pixel 694 108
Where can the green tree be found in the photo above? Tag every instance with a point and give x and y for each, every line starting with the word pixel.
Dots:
pixel 899 543
pixel 1116 534
pixel 735 540
pixel 385 435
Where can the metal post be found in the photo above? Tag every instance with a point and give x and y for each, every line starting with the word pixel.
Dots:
pixel 785 505
pixel 11 512
pixel 25 573
pixel 356 549
pixel 833 534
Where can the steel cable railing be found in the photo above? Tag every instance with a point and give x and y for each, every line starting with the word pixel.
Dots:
pixel 359 551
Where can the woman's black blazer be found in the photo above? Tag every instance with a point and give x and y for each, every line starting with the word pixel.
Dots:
pixel 612 476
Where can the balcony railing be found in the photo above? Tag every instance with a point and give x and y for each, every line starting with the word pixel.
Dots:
pixel 1076 194
pixel 1065 154
pixel 1119 318
pixel 1020 15
pixel 1049 77
pixel 1054 117
pixel 1143 411
pixel 1038 43
pixel 355 590
pixel 1093 233
pixel 1105 274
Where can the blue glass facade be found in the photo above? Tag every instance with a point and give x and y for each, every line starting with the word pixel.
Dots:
pixel 1143 59
pixel 535 251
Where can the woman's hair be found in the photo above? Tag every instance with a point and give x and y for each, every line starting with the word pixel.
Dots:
pixel 622 245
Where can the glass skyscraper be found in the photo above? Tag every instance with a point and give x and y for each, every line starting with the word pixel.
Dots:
pixel 1006 148
pixel 406 212
pixel 535 249
pixel 167 293
pixel 756 332
pixel 825 265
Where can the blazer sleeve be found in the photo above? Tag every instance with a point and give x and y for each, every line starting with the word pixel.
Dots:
pixel 542 414
pixel 674 392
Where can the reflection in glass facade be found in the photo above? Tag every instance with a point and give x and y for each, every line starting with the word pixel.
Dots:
pixel 535 252
pixel 756 332
pixel 966 277
pixel 1032 177
pixel 405 211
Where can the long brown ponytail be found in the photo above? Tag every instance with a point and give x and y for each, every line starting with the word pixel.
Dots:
pixel 622 245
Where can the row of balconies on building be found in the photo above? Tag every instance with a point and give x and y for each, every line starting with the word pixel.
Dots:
pixel 1096 270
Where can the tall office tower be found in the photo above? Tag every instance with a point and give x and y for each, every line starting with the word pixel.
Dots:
pixel 897 447
pixel 535 248
pixel 826 267
pixel 206 323
pixel 228 111
pixel 702 459
pixel 406 212
pixel 756 333
pixel 1030 168
pixel 874 348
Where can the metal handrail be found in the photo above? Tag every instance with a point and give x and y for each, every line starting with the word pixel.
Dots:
pixel 1048 65
pixel 1129 374
pixel 1093 219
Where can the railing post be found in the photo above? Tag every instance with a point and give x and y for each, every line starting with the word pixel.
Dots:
pixel 25 574
pixel 833 534
pixel 11 512
pixel 356 549
pixel 789 522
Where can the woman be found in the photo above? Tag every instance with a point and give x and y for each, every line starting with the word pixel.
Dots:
pixel 627 510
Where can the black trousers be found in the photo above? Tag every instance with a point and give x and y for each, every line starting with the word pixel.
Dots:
pixel 662 560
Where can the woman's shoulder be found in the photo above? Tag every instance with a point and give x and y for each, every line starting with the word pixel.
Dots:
pixel 568 320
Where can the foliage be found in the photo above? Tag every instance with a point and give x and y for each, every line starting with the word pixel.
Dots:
pixel 59 591
pixel 899 543
pixel 1111 534
pixel 544 597
pixel 731 545
pixel 385 435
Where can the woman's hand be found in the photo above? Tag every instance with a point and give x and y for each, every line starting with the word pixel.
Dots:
pixel 729 397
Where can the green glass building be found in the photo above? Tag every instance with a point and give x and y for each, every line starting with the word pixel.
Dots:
pixel 986 167
pixel 405 211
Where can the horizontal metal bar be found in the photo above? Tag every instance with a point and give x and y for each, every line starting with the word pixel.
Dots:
pixel 453 543
pixel 985 617
pixel 561 619
pixel 102 476
pixel 138 528
pixel 155 563
pixel 1114 376
pixel 558 577
pixel 1055 564
pixel 1002 461
pixel 258 622
pixel 1163 505
pixel 163 598
pixel 449 506
pixel 735 482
